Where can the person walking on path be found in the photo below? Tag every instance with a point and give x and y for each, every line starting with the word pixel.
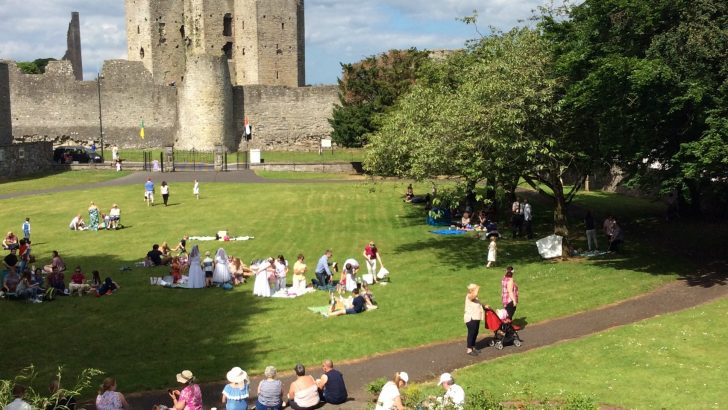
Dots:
pixel 474 314
pixel 492 251
pixel 196 190
pixel 26 230
pixel 331 384
pixel 165 192
pixel 371 256
pixel 591 233
pixel 527 219
pixel 509 292
pixel 149 192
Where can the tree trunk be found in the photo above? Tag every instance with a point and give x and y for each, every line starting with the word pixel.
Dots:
pixel 561 226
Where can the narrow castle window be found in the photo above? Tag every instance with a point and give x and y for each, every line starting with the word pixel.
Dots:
pixel 141 52
pixel 242 25
pixel 283 26
pixel 228 50
pixel 138 30
pixel 182 32
pixel 276 74
pixel 162 33
pixel 243 50
pixel 227 29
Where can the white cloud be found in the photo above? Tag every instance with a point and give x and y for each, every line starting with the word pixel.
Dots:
pixel 336 30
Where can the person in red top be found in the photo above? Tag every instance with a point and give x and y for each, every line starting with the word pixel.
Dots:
pixel 78 283
pixel 371 256
pixel 176 269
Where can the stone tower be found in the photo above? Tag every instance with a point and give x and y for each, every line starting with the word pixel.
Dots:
pixel 6 125
pixel 156 36
pixel 205 104
pixel 263 40
pixel 269 42
pixel 73 48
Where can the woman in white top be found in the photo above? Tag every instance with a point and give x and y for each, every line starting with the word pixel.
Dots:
pixel 261 286
pixel 196 275
pixel 222 272
pixel 474 313
pixel 165 192
pixel 303 394
pixel 389 398
pixel 351 267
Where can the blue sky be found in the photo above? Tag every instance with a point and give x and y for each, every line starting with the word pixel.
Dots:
pixel 336 30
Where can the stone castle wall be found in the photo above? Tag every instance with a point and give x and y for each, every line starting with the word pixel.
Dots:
pixel 54 104
pixel 284 118
pixel 6 127
pixel 25 159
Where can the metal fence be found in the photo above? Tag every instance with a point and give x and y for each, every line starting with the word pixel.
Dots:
pixel 173 160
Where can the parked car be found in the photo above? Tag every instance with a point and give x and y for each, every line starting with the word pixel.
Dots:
pixel 77 153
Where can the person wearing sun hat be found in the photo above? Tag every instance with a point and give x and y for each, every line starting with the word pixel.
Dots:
pixel 235 394
pixel 389 398
pixel 454 397
pixel 190 398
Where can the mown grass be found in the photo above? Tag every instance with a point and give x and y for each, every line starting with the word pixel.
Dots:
pixel 673 362
pixel 144 335
pixel 56 180
pixel 305 175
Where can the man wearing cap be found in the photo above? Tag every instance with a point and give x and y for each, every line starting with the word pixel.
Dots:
pixel 454 396
pixel 331 384
pixel 371 256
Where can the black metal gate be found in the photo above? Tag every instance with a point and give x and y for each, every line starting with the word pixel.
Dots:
pixel 194 160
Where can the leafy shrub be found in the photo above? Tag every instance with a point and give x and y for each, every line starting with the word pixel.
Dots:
pixel 375 387
pixel 39 400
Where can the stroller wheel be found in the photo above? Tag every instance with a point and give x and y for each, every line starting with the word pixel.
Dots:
pixel 517 342
pixel 491 343
pixel 499 345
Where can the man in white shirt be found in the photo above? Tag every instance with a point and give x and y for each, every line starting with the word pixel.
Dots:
pixel 527 218
pixel 454 396
pixel 18 403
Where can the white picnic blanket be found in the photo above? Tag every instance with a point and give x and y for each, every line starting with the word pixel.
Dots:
pixel 212 238
pixel 550 246
pixel 290 293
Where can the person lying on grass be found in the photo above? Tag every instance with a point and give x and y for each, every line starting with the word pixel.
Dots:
pixel 358 305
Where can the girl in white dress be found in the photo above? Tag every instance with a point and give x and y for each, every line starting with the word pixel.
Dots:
pixel 196 275
pixel 492 249
pixel 196 190
pixel 261 286
pixel 222 272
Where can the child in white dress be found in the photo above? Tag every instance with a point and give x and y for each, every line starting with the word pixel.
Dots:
pixel 492 250
pixel 196 190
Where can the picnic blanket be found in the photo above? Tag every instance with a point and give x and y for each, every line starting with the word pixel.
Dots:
pixel 448 232
pixel 167 282
pixel 222 239
pixel 591 254
pixel 290 293
pixel 550 246
pixel 321 310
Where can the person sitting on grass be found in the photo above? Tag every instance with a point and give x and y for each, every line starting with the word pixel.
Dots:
pixel 26 289
pixel 390 397
pixel 156 257
pixel 57 281
pixel 10 261
pixel 358 305
pixel 108 287
pixel 10 241
pixel 410 194
pixel 56 264
pixel 453 398
pixel 236 392
pixel 190 398
pixel 238 270
pixel 108 398
pixel 95 281
pixel 77 223
pixel 175 269
pixel 270 391
pixel 78 283
pixel 10 283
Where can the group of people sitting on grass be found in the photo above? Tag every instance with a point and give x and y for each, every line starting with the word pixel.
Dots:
pixel 26 282
pixel 97 220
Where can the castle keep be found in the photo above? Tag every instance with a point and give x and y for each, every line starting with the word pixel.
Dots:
pixel 195 70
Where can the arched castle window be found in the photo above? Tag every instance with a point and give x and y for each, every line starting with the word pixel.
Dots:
pixel 227 26
pixel 141 52
pixel 283 26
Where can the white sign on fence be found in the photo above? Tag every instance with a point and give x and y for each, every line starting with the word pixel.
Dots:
pixel 325 143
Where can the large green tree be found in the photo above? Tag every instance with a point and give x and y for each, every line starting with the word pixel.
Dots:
pixel 490 113
pixel 648 80
pixel 370 87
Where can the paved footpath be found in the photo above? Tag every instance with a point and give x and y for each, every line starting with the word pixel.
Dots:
pixel 428 362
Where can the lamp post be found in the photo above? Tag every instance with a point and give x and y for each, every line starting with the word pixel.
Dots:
pixel 101 124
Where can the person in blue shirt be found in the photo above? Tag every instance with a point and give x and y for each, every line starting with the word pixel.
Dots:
pixel 26 230
pixel 149 192
pixel 358 305
pixel 323 272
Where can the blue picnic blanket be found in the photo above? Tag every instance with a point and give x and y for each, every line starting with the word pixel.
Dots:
pixel 449 232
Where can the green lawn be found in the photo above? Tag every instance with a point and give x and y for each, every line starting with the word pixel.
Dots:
pixel 144 335
pixel 673 362
pixel 56 180
pixel 305 175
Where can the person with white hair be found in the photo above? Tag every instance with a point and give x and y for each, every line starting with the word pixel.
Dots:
pixel 454 397
pixel 270 391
